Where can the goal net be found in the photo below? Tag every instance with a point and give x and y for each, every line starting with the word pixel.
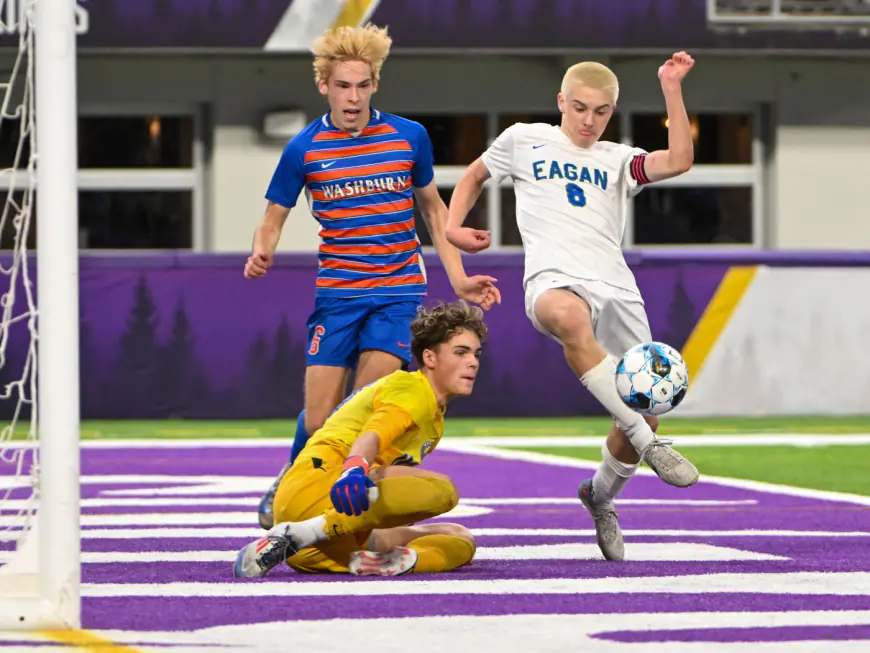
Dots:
pixel 39 395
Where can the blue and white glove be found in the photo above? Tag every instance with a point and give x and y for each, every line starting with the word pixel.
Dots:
pixel 351 492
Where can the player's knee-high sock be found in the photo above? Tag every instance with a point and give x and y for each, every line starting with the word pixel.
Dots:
pixel 403 500
pixel 610 477
pixel 300 438
pixel 601 382
pixel 441 552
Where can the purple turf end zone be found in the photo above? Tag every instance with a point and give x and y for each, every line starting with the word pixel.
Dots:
pixel 224 602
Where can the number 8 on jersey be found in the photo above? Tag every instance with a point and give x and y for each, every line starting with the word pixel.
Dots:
pixel 576 196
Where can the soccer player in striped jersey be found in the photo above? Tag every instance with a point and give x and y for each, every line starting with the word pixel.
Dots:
pixel 572 190
pixel 361 170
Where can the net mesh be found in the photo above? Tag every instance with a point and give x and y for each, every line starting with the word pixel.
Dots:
pixel 18 341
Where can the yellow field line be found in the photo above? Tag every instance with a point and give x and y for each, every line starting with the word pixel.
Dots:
pixel 86 641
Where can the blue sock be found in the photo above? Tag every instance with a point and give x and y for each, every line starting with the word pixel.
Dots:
pixel 300 438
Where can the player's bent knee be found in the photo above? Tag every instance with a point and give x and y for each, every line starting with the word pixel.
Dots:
pixel 448 496
pixel 387 471
pixel 653 422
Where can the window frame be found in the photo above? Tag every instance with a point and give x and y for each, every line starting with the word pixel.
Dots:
pixel 193 179
pixel 720 175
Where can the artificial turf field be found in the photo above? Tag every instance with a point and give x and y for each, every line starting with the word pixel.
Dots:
pixel 768 552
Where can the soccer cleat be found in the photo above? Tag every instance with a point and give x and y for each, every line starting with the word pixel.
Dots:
pixel 259 558
pixel 399 561
pixel 669 465
pixel 607 530
pixel 266 509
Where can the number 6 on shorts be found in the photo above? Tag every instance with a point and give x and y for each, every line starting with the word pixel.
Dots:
pixel 315 341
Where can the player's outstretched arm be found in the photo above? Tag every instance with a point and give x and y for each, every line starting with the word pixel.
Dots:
pixel 350 493
pixel 464 197
pixel 678 158
pixel 266 237
pixel 479 289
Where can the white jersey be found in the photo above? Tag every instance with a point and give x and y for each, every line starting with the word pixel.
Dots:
pixel 570 201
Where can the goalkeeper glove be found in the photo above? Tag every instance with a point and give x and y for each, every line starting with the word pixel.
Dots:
pixel 350 493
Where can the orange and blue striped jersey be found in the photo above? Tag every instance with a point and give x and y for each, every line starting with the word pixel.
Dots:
pixel 361 191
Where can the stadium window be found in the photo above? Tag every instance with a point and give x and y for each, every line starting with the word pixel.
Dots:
pixel 718 137
pixel 116 142
pixel 141 219
pixel 476 217
pixel 137 181
pixel 457 140
pixel 611 133
pixel 690 215
pixel 136 141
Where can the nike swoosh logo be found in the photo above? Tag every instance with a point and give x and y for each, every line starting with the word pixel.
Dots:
pixel 326 165
pixel 535 147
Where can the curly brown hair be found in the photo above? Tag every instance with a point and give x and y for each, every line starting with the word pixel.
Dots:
pixel 438 324
pixel 369 44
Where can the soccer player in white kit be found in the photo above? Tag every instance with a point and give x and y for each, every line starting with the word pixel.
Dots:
pixel 571 194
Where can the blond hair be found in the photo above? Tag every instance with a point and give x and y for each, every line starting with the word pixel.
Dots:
pixel 369 44
pixel 592 75
pixel 437 325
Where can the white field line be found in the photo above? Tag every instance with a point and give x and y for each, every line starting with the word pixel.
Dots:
pixel 646 552
pixel 806 583
pixel 253 533
pixel 14 505
pixel 747 440
pixel 590 465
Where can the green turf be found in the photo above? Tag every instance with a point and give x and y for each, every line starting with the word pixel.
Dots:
pixel 833 468
pixel 482 427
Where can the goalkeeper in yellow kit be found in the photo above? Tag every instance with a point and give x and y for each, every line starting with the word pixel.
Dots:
pixel 351 497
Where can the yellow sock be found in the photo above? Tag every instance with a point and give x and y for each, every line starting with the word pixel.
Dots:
pixel 403 500
pixel 441 553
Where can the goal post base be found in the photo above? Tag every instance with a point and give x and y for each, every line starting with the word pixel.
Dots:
pixel 28 613
pixel 22 607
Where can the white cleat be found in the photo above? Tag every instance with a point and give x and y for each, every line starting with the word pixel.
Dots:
pixel 608 533
pixel 669 465
pixel 261 556
pixel 399 561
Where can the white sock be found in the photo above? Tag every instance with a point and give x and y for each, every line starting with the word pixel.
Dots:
pixel 610 477
pixel 308 532
pixel 601 382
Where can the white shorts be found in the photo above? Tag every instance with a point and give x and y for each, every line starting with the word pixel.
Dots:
pixel 619 321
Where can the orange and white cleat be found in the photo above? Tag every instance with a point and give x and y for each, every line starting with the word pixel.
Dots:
pixel 399 561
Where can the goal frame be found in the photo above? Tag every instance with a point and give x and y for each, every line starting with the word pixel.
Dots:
pixel 40 588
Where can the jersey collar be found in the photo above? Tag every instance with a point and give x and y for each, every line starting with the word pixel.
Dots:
pixel 326 119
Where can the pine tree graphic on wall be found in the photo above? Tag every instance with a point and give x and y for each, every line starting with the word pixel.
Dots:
pixel 133 382
pixel 184 386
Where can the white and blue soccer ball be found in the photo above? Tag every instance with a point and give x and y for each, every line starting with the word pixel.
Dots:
pixel 652 378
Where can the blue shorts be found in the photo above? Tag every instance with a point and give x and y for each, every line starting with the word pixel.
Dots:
pixel 339 329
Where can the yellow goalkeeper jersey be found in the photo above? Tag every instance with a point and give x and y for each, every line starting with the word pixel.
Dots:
pixel 400 407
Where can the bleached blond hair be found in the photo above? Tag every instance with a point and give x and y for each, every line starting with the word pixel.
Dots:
pixel 592 75
pixel 369 44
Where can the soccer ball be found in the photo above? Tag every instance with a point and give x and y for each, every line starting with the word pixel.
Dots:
pixel 652 378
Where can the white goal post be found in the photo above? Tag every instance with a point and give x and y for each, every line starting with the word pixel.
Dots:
pixel 40 586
